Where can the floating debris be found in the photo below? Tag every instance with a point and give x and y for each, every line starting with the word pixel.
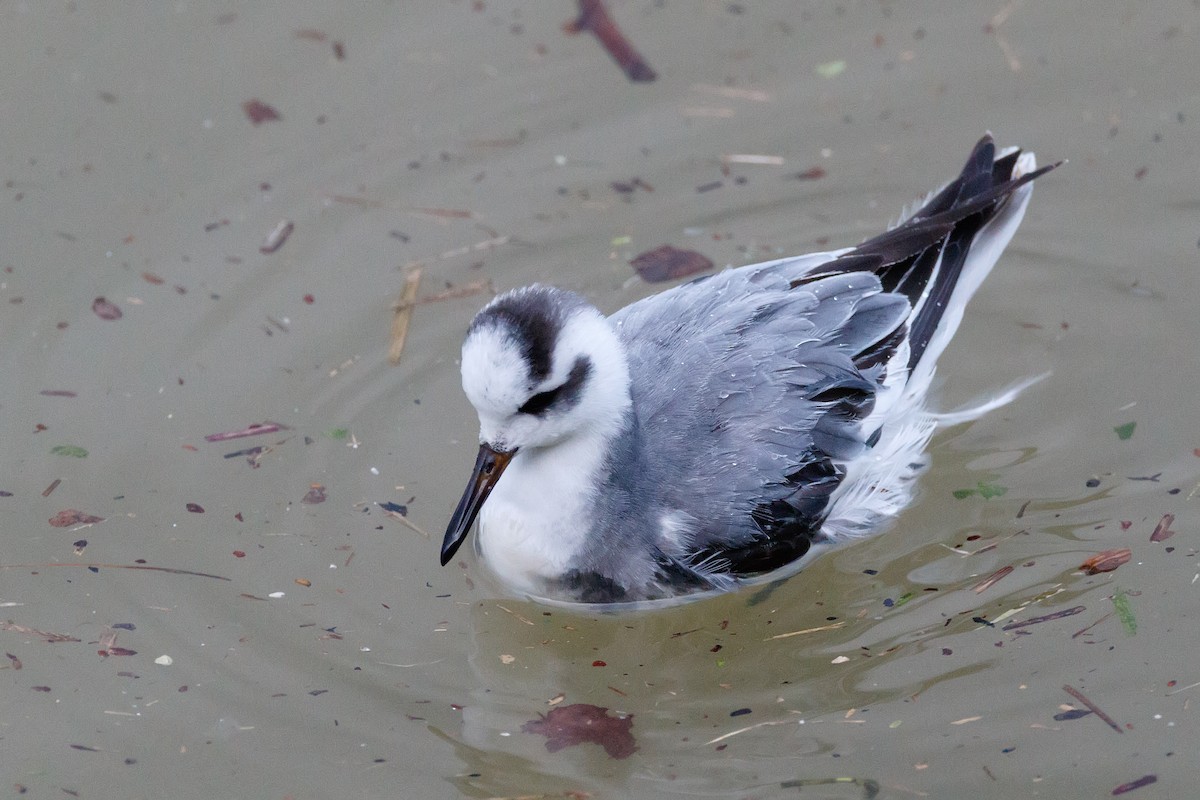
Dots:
pixel 790 634
pixel 70 516
pixel 1074 713
pixel 1145 780
pixel 1124 611
pixel 985 490
pixel 105 309
pixel 1069 612
pixel 581 723
pixel 1078 695
pixel 1125 431
pixel 53 638
pixel 1162 531
pixel 593 17
pixel 1082 631
pixel 97 567
pixel 108 646
pixel 1106 561
pixel 252 430
pixel 278 235
pixel 992 579
pixel 403 309
pixel 466 290
pixel 810 174
pixel 831 69
pixel 749 158
pixel 259 112
pixel 668 263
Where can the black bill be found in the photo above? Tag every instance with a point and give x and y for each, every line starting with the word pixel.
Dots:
pixel 488 467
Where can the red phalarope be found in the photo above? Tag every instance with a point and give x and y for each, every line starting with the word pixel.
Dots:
pixel 711 434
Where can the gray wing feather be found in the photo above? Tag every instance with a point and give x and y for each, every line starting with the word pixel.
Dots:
pixel 705 362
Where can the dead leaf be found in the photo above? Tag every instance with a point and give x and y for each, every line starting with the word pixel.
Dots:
pixel 259 112
pixel 70 516
pixel 1162 531
pixel 580 723
pixel 1106 561
pixel 667 263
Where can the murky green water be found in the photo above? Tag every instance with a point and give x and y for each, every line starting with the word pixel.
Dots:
pixel 481 142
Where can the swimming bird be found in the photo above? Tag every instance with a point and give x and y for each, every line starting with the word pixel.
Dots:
pixel 711 434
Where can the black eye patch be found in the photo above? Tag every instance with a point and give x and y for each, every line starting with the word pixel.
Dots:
pixel 563 396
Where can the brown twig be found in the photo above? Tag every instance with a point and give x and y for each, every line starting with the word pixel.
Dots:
pixel 466 290
pixel 593 17
pixel 171 570
pixel 1082 631
pixel 406 522
pixel 49 637
pixel 1078 695
pixel 252 430
pixel 404 309
pixel 991 580
pixel 1068 612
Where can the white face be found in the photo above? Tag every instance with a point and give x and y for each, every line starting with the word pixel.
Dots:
pixel 516 411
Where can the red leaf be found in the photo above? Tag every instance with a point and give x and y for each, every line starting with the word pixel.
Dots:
pixel 811 174
pixel 70 516
pixel 259 112
pixel 105 309
pixel 1106 561
pixel 567 726
pixel 1162 531
pixel 667 263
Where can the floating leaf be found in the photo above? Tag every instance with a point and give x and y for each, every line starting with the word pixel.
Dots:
pixel 666 263
pixel 1125 431
pixel 985 490
pixel 1162 531
pixel 1106 561
pixel 1125 612
pixel 989 490
pixel 579 723
pixel 831 69
pixel 259 112
pixel 70 516
pixel 69 450
pixel 105 309
pixel 339 433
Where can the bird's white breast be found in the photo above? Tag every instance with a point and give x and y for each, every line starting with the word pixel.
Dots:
pixel 539 514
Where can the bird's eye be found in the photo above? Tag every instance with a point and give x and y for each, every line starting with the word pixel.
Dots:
pixel 564 395
pixel 540 402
